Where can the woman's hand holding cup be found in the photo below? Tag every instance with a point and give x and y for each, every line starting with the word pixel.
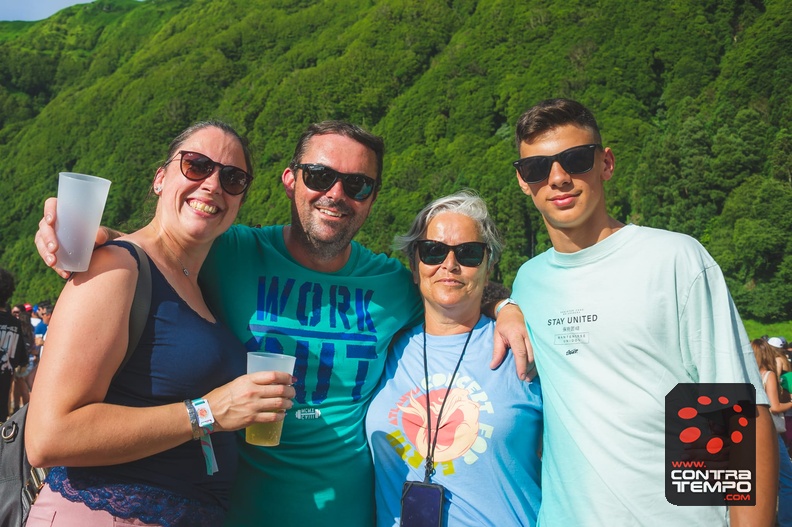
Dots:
pixel 260 397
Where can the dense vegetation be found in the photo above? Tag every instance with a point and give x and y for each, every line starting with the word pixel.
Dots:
pixel 695 99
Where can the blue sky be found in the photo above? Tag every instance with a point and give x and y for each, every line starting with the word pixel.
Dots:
pixel 34 9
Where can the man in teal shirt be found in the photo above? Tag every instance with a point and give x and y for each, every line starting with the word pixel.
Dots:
pixel 308 290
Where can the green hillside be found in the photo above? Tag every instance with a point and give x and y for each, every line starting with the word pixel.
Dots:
pixel 695 98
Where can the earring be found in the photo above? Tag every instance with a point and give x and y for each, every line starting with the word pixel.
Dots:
pixel 157 189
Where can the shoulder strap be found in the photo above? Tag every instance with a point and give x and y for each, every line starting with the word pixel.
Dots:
pixel 141 304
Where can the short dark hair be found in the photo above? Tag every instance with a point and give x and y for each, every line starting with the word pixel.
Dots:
pixel 373 142
pixel 7 286
pixel 553 113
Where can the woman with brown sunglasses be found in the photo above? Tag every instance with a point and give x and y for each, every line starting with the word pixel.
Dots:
pixel 135 446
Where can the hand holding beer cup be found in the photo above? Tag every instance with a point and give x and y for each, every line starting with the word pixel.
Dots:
pixel 260 397
pixel 268 433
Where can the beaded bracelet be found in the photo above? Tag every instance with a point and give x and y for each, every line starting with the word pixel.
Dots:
pixel 197 432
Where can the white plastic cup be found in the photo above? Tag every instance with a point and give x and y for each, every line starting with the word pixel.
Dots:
pixel 81 202
pixel 267 434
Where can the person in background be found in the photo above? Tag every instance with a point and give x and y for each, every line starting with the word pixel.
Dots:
pixel 23 313
pixel 44 312
pixel 766 357
pixel 619 315
pixel 23 375
pixel 35 320
pixel 12 345
pixel 152 443
pixel 441 415
pixel 308 290
pixel 783 366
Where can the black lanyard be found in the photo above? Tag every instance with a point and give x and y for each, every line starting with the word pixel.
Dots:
pixel 430 445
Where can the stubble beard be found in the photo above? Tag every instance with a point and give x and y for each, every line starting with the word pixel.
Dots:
pixel 308 236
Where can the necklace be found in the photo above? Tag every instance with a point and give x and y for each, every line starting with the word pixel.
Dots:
pixel 184 268
pixel 431 445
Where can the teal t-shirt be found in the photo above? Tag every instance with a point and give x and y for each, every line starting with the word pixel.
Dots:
pixel 338 326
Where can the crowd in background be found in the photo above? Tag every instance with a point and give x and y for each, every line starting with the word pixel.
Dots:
pixel 18 369
pixel 773 359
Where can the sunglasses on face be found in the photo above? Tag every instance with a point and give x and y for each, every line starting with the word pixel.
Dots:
pixel 575 160
pixel 197 167
pixel 469 254
pixel 321 179
pixel 15 313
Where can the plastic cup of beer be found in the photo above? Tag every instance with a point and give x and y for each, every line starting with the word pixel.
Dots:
pixel 267 434
pixel 81 202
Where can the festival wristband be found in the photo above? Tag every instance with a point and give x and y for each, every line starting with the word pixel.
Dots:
pixel 205 417
pixel 205 421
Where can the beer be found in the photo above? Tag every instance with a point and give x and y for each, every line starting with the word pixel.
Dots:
pixel 267 434
pixel 264 434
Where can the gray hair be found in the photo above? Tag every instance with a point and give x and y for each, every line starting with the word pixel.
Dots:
pixel 465 202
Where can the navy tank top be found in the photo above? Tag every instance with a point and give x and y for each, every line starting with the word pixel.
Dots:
pixel 180 356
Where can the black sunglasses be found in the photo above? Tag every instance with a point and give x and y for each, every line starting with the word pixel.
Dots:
pixel 196 167
pixel 575 160
pixel 321 178
pixel 469 254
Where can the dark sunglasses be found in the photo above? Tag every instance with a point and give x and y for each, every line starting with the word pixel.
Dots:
pixel 469 254
pixel 575 160
pixel 321 178
pixel 196 167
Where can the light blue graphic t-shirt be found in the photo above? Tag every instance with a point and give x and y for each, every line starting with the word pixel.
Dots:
pixel 487 453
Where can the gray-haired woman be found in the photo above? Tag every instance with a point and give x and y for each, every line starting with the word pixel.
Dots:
pixel 454 442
